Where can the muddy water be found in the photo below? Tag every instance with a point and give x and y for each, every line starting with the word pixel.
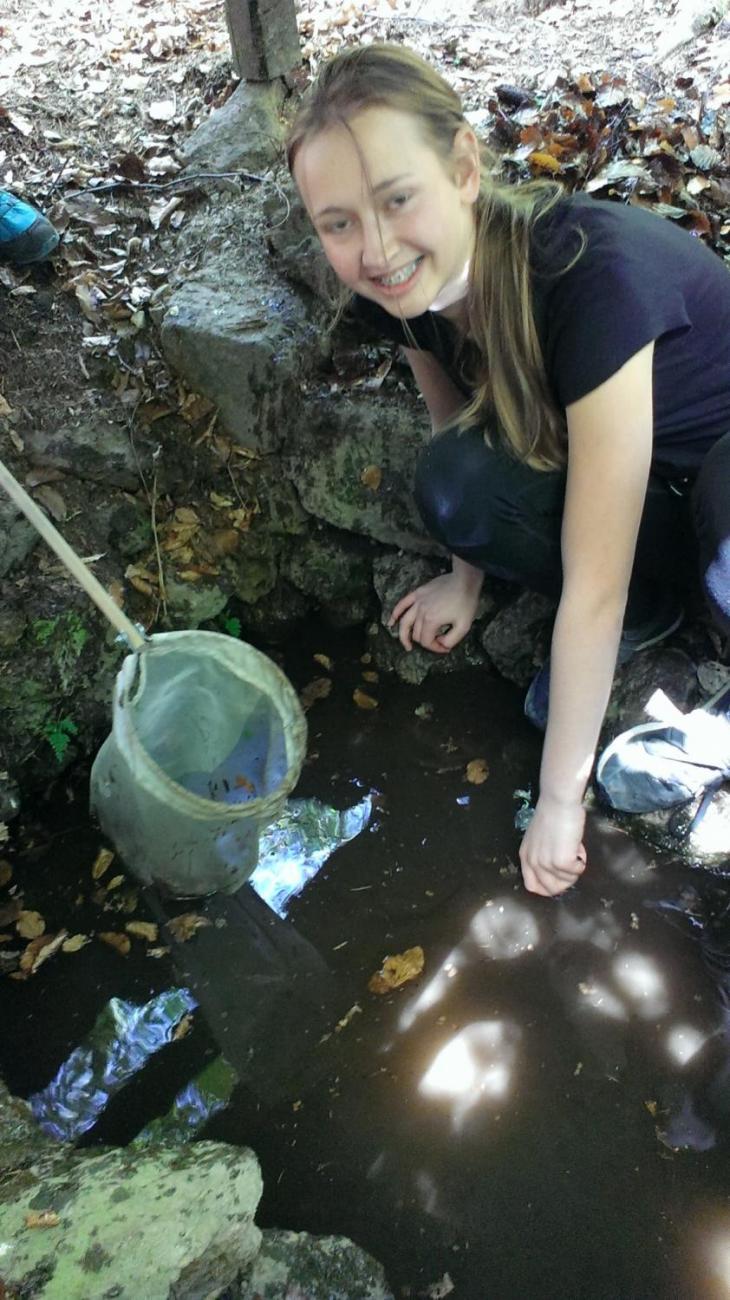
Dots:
pixel 544 1112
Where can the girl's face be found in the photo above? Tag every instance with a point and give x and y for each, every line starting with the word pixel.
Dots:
pixel 396 221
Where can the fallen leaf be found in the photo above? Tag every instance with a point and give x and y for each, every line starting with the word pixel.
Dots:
pixel 324 661
pixel 76 942
pixel 182 1029
pixel 10 911
pixel 397 970
pixel 30 925
pixel 143 930
pixel 183 927
pixel 318 689
pixel 362 700
pixel 6 872
pixel 371 677
pixel 120 942
pixel 39 950
pixel 114 883
pixel 344 1022
pixel 544 162
pixel 5 409
pixel 102 862
pixel 162 110
pixel 372 477
pixel 53 502
pixel 242 783
pixel 157 952
pixel 477 771
pixel 42 1219
pixel 651 1106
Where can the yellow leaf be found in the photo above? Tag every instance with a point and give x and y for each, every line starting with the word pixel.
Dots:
pixel 102 862
pixel 220 503
pixel 651 1106
pixel 30 925
pixel 184 927
pixel 142 930
pixel 39 950
pixel 183 1028
pixel 362 700
pixel 324 661
pixel 544 162
pixel 115 882
pixel 186 515
pixel 477 771
pixel 318 689
pixel 397 970
pixel 42 1219
pixel 120 942
pixel 372 477
pixel 75 942
pixel 371 677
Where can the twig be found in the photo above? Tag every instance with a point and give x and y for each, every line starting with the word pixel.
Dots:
pixel 166 185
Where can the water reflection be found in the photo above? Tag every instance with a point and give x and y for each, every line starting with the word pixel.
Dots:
pixel 121 1042
pixel 296 847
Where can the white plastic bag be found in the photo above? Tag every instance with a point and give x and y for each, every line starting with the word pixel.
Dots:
pixel 208 739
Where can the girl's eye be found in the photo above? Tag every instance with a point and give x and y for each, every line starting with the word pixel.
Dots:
pixel 398 200
pixel 336 227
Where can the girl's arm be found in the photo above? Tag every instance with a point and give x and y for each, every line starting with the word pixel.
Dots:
pixel 610 434
pixel 451 599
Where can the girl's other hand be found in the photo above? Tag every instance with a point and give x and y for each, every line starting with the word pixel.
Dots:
pixel 437 615
pixel 552 854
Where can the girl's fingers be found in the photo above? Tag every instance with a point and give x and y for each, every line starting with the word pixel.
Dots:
pixel 404 603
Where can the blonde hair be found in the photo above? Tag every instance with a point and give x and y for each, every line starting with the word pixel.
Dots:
pixel 501 357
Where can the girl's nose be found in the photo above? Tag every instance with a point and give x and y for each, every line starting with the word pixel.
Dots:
pixel 377 247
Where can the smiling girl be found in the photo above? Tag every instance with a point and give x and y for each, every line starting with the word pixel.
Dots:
pixel 574 357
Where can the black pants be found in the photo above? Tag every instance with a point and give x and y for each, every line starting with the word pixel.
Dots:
pixel 505 518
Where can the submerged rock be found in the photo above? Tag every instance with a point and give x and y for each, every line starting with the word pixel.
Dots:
pixel 314 1268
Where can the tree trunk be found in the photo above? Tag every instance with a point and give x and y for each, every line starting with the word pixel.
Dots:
pixel 264 37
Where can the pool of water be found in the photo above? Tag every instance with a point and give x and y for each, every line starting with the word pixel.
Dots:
pixel 543 1112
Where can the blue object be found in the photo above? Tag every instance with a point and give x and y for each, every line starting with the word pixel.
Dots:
pixel 25 234
pixel 663 622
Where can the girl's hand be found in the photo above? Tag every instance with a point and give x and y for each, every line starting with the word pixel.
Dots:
pixel 438 615
pixel 552 855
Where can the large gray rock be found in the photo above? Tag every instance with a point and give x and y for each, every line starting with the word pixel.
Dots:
pixel 303 1267
pixel 394 576
pixel 246 134
pixel 244 346
pixel 336 570
pixel 98 449
pixel 155 1224
pixel 353 462
pixel 517 639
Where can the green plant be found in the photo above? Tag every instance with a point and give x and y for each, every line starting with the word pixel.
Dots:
pixel 58 734
pixel 231 625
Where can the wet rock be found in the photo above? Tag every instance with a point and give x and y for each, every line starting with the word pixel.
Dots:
pixel 21 1140
pixel 277 616
pixel 394 576
pixel 335 570
pixel 255 566
pixel 316 1268
pixel 191 603
pixel 246 134
pixel 243 345
pixel 353 463
pixel 517 639
pixel 155 1223
pixel 17 537
pixel 13 623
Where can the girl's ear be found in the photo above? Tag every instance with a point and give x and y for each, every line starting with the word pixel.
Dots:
pixel 466 163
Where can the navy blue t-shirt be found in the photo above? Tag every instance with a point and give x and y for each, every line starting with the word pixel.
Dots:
pixel 639 278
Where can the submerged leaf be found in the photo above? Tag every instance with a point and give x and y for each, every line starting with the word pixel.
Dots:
pixel 102 862
pixel 477 771
pixel 184 927
pixel 362 700
pixel 30 925
pixel 120 942
pixel 76 942
pixel 142 930
pixel 397 970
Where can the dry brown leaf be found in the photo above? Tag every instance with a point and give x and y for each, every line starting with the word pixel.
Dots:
pixel 143 930
pixel 224 541
pixel 30 925
pixel 42 1219
pixel 477 771
pixel 182 1029
pixel 6 872
pixel 372 477
pixel 371 677
pixel 324 661
pixel 183 927
pixel 362 700
pixel 397 970
pixel 102 862
pixel 544 162
pixel 120 942
pixel 318 689
pixel 242 782
pixel 39 950
pixel 5 408
pixel 53 502
pixel 76 942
